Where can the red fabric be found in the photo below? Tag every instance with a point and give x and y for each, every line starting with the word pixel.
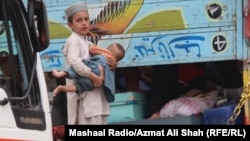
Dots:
pixel 247 21
pixel 58 132
pixel 188 72
pixel 247 27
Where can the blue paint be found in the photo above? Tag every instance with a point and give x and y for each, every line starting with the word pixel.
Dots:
pixel 161 44
pixel 164 48
pixel 196 43
pixel 52 58
pixel 188 45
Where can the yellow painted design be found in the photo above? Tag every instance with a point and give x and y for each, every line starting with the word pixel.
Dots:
pixel 246 79
pixel 160 21
pixel 58 31
pixel 116 22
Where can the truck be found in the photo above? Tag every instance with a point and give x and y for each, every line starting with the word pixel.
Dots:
pixel 160 32
pixel 153 32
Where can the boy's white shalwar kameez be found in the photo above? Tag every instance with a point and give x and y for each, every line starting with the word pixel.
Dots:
pixel 88 104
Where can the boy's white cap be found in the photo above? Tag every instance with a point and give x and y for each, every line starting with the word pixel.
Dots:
pixel 81 6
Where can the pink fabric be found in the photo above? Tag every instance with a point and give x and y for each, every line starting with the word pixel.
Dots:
pixel 185 106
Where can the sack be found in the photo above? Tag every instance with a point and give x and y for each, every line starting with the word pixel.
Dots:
pixel 186 105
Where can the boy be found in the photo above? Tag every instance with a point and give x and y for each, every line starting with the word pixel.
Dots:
pixel 100 56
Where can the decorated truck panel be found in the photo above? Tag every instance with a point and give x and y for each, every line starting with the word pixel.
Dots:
pixel 155 32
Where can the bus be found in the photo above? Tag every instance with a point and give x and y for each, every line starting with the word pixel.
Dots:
pixel 24 104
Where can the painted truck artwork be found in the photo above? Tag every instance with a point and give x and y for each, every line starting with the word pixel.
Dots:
pixel 153 31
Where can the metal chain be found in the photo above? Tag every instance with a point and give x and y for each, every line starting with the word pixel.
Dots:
pixel 245 95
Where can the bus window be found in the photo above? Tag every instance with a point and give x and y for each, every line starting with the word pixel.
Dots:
pixel 16 59
pixel 10 66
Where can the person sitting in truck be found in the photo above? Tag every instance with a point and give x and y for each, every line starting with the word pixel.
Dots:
pixel 99 56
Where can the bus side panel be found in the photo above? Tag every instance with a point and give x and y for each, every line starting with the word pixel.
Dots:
pixel 8 120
